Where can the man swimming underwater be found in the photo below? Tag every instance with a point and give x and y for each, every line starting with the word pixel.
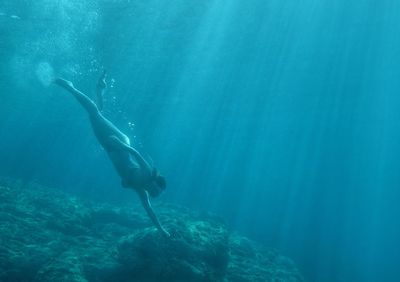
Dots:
pixel 133 169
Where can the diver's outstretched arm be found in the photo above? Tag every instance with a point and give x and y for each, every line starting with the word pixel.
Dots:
pixel 84 100
pixel 100 89
pixel 144 198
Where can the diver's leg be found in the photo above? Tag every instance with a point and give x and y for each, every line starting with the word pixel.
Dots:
pixel 100 89
pixel 99 99
pixel 84 100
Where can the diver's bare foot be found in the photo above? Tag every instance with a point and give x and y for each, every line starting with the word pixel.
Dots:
pixel 64 83
pixel 101 84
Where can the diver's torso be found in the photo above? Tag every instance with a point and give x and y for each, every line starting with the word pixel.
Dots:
pixel 104 129
pixel 128 169
pixel 125 165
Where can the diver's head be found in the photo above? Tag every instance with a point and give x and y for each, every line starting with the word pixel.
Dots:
pixel 161 182
pixel 158 184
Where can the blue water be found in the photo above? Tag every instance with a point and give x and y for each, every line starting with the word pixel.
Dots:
pixel 280 116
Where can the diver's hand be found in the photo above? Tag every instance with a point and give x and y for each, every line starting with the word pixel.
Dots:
pixel 165 233
pixel 64 83
pixel 101 84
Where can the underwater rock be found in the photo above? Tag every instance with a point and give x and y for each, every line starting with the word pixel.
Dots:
pixel 196 251
pixel 46 235
pixel 65 267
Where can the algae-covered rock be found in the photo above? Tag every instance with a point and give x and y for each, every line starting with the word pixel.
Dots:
pixel 196 251
pixel 65 267
pixel 252 262
pixel 46 235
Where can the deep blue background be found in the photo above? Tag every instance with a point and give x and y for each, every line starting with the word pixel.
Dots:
pixel 280 116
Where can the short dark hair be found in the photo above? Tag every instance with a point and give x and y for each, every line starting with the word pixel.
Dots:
pixel 161 182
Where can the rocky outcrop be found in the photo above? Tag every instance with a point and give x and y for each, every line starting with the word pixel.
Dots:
pixel 46 235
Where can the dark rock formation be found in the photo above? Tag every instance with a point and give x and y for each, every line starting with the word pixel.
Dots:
pixel 46 235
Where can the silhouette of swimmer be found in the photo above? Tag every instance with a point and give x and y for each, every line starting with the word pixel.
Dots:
pixel 133 169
